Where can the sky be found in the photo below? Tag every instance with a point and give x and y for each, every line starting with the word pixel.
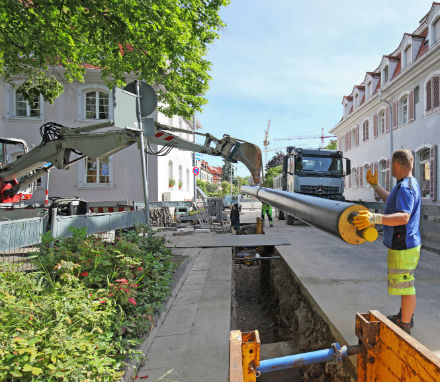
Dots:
pixel 292 61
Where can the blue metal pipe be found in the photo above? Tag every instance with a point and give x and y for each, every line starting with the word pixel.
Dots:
pixel 303 359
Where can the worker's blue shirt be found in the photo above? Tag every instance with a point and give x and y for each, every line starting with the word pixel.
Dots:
pixel 404 197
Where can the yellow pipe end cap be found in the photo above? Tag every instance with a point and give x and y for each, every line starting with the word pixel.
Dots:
pixel 370 234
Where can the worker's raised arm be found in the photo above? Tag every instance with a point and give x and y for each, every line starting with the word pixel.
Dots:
pixel 372 180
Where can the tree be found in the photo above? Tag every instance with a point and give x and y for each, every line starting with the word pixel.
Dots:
pixel 276 160
pixel 163 42
pixel 270 174
pixel 332 145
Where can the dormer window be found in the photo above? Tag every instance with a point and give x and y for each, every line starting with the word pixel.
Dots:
pixel 356 102
pixel 437 31
pixel 406 57
pixel 368 89
pixel 385 75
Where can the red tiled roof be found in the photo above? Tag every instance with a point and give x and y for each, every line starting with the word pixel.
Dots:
pixel 360 87
pixel 391 57
pixel 424 47
pixel 377 87
pixel 373 74
pixel 363 100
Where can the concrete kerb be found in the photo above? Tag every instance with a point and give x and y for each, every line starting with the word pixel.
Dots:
pixel 178 279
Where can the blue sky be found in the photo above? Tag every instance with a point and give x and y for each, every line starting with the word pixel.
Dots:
pixel 293 61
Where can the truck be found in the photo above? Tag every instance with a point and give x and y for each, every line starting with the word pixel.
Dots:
pixel 61 146
pixel 314 172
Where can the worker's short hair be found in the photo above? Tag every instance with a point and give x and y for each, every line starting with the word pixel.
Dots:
pixel 404 157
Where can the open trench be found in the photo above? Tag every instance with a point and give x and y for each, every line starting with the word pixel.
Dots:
pixel 267 296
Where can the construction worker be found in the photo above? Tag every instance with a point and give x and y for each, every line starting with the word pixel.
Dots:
pixel 267 209
pixel 235 218
pixel 401 234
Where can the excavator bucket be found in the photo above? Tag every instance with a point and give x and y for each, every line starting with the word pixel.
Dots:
pixel 250 155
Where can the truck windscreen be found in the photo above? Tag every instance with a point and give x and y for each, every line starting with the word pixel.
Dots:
pixel 318 164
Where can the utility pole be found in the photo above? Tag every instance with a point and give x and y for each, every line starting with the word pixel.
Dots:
pixel 194 160
pixel 143 157
pixel 232 169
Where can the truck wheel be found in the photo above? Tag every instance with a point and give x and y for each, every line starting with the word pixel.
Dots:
pixel 290 220
pixel 281 215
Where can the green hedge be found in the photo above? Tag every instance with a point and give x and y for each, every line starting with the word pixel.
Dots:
pixel 81 314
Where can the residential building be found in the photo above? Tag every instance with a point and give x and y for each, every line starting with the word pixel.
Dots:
pixel 399 100
pixel 118 177
pixel 207 173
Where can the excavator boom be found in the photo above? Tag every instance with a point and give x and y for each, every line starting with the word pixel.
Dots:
pixel 62 146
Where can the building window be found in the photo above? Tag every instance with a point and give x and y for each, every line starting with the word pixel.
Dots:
pixel 180 177
pixel 25 108
pixel 385 75
pixel 423 174
pixel 403 110
pixel 170 170
pixel 369 89
pixel 365 131
pixel 382 173
pixel 98 171
pixel 406 57
pixel 437 30
pixel 353 178
pixel 381 122
pixel 353 138
pixel 356 101
pixel 96 105
pixel 432 94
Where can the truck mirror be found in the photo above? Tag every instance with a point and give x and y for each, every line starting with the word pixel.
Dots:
pixel 347 166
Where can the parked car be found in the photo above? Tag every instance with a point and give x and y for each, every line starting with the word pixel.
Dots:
pixel 229 200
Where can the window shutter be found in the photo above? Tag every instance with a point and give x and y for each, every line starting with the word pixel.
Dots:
pixel 349 181
pixel 433 172
pixel 394 115
pixel 387 119
pixel 339 144
pixel 346 142
pixel 387 176
pixel 361 179
pixel 411 106
pixel 357 135
pixel 375 125
pixel 435 92
pixel 349 140
pixel 428 95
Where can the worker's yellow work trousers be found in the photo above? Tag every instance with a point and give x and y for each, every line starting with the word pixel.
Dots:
pixel 401 267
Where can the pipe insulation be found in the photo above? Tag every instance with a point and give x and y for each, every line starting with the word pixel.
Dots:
pixel 331 216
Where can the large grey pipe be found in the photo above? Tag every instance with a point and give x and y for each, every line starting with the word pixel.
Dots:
pixel 328 215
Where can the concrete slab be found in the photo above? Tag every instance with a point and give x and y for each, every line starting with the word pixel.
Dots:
pixel 345 279
pixel 227 240
pixel 192 344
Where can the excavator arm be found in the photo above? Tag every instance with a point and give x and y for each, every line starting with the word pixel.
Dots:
pixel 63 146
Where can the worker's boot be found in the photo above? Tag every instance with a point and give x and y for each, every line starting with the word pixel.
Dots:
pixel 397 316
pixel 405 326
pixel 271 224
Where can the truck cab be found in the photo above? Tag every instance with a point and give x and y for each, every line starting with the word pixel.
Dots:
pixel 315 172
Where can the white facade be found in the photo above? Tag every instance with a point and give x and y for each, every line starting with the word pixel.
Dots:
pixel 118 178
pixel 401 98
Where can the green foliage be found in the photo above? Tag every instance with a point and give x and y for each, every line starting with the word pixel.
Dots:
pixel 332 145
pixel 171 182
pixel 207 188
pixel 202 185
pixel 226 171
pixel 163 42
pixel 276 160
pixel 270 174
pixel 84 311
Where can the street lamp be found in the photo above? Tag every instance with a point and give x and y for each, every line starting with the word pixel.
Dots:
pixel 391 132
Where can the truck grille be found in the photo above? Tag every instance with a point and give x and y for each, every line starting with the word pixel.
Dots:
pixel 323 191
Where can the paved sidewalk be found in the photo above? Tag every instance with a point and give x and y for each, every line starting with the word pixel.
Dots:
pixel 192 344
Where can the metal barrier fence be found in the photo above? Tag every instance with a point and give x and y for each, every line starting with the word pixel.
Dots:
pixel 19 239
